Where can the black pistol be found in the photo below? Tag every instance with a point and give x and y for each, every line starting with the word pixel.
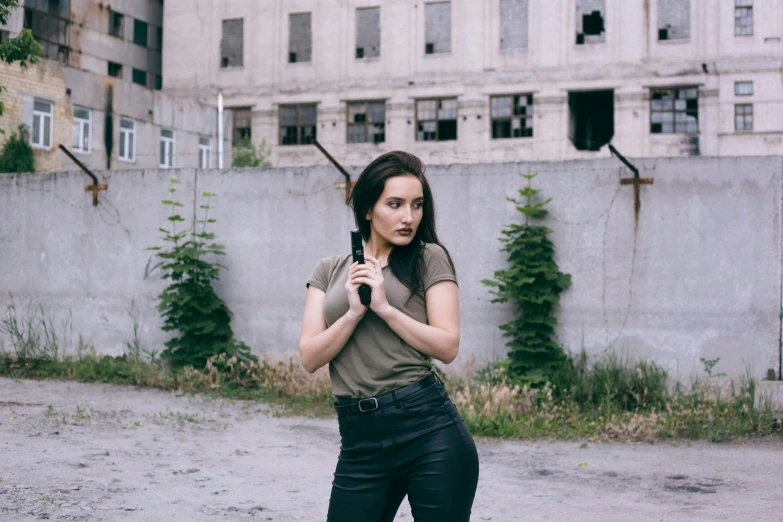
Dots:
pixel 358 256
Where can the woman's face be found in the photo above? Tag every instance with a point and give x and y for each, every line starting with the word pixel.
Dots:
pixel 396 216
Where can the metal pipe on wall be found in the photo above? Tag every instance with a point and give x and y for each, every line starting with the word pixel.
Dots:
pixel 220 130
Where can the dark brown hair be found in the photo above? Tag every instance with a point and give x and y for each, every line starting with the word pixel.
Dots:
pixel 405 261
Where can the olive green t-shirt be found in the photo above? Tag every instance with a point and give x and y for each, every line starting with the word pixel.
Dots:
pixel 375 359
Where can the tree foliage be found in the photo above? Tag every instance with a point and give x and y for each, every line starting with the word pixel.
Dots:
pixel 533 282
pixel 248 155
pixel 190 305
pixel 17 154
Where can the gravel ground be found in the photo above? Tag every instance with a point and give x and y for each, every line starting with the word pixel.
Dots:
pixel 72 451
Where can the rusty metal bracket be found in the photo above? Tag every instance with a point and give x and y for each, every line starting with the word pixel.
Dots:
pixel 636 181
pixel 348 184
pixel 95 187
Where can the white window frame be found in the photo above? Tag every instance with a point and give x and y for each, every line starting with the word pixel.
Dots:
pixel 204 152
pixel 130 144
pixel 79 125
pixel 168 144
pixel 45 120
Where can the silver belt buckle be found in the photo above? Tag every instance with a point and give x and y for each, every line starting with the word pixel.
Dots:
pixel 369 409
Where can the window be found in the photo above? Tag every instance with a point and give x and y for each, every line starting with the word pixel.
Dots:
pixel 115 70
pixel 743 17
pixel 743 88
pixel 437 32
pixel 674 110
pixel 127 139
pixel 204 149
pixel 674 19
pixel 243 119
pixel 158 81
pixel 590 21
pixel 166 148
pixel 436 119
pixel 366 122
pixel 50 24
pixel 140 33
pixel 140 77
pixel 4 35
pixel 513 24
pixel 115 23
pixel 159 40
pixel 300 38
pixel 512 116
pixel 743 117
pixel 42 124
pixel 232 43
pixel 368 32
pixel 81 130
pixel 297 124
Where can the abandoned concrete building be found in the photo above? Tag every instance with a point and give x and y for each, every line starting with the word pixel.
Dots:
pixel 110 112
pixel 485 80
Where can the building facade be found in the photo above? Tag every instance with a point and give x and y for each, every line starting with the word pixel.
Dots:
pixel 111 112
pixel 485 80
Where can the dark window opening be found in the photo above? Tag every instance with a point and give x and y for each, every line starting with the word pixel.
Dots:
pixel 115 70
pixel 50 25
pixel 140 77
pixel 591 124
pixel 436 119
pixel 140 30
pixel 158 81
pixel 590 27
pixel 512 116
pixel 298 124
pixel 674 110
pixel 242 125
pixel 115 23
pixel 366 122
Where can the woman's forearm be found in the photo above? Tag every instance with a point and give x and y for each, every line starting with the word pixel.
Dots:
pixel 429 340
pixel 322 348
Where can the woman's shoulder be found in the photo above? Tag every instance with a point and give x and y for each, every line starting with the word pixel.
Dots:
pixel 335 260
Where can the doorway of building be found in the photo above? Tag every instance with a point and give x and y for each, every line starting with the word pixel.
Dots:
pixel 591 123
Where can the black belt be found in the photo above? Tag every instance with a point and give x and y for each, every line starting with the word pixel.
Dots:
pixel 345 405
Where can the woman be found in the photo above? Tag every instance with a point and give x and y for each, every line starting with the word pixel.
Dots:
pixel 400 432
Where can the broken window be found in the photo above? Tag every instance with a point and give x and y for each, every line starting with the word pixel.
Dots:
pixel 140 33
pixel 115 70
pixel 232 43
pixel 674 110
pixel 590 15
pixel 300 38
pixel 674 19
pixel 591 124
pixel 50 23
pixel 368 32
pixel 242 131
pixel 436 119
pixel 743 117
pixel 743 17
pixel 297 124
pixel 139 77
pixel 437 34
pixel 513 24
pixel 743 88
pixel 512 116
pixel 366 122
pixel 115 23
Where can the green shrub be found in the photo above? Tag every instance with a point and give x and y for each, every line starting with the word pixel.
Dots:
pixel 248 155
pixel 17 154
pixel 534 283
pixel 190 305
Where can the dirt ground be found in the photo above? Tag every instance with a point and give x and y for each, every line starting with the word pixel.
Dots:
pixel 72 451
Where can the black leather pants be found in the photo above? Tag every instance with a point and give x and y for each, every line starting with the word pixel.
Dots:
pixel 417 446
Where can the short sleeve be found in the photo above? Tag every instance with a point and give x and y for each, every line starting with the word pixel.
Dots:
pixel 436 266
pixel 320 277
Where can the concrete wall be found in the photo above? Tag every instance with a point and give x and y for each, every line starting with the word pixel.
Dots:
pixel 630 62
pixel 700 277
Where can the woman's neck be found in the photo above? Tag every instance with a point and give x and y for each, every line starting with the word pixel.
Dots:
pixel 379 252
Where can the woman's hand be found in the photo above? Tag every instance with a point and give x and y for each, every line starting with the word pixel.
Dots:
pixel 370 274
pixel 356 308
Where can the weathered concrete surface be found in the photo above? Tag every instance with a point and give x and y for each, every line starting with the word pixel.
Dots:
pixel 106 453
pixel 699 277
